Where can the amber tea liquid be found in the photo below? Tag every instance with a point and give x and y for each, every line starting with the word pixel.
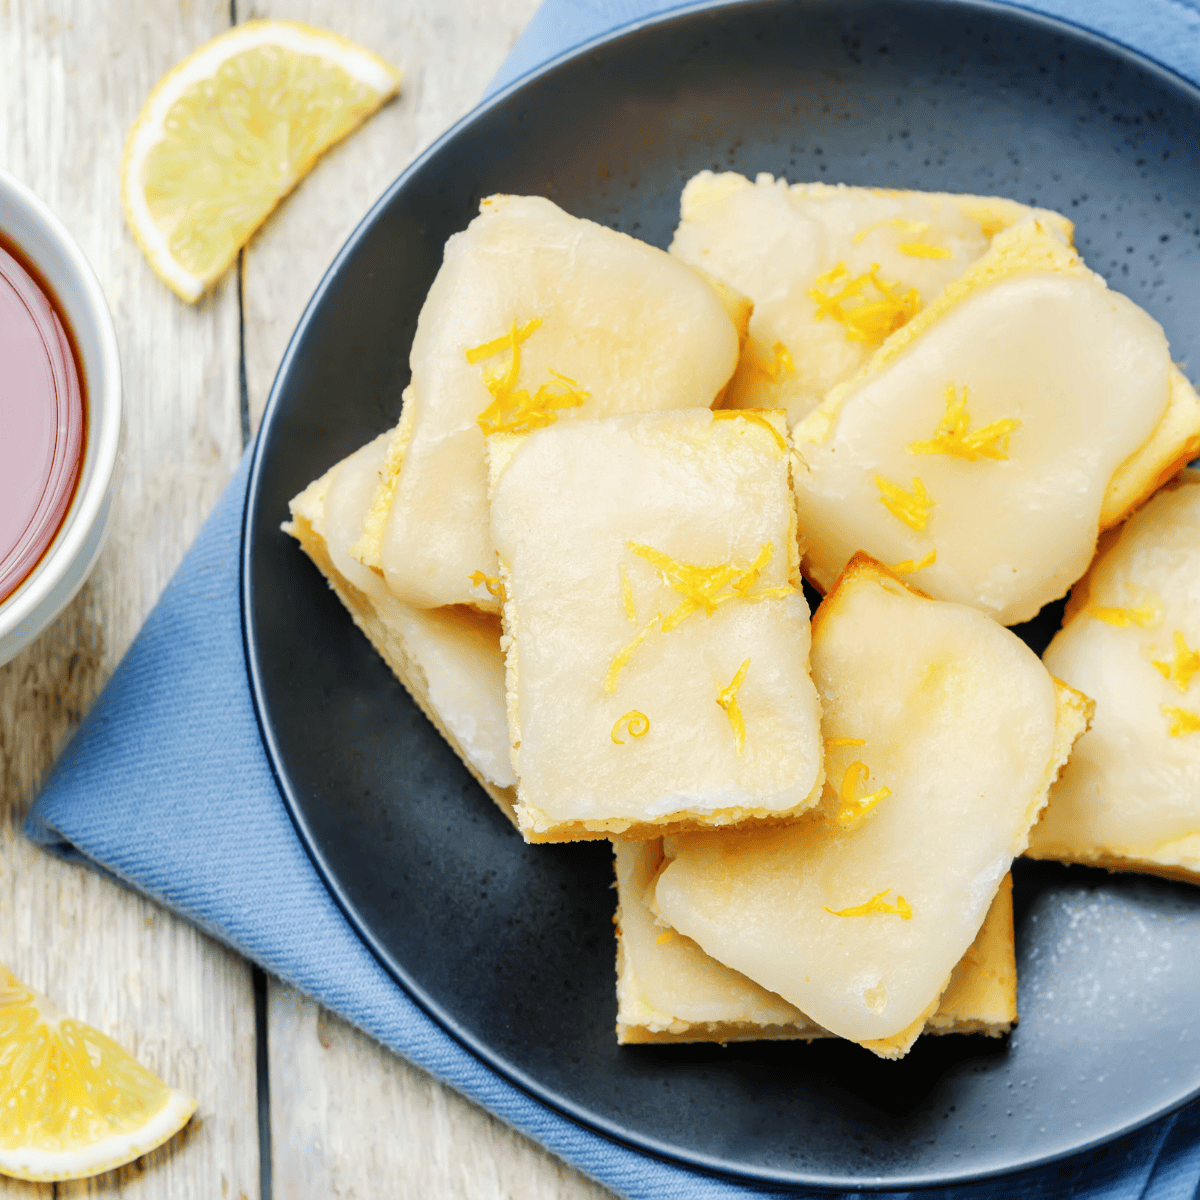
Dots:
pixel 42 418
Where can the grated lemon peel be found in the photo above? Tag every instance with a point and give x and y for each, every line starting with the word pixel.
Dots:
pixel 627 596
pixel 622 657
pixel 514 410
pixel 877 905
pixel 911 567
pixel 748 414
pixel 844 741
pixel 701 588
pixel 953 434
pixel 637 725
pixel 727 699
pixel 868 320
pixel 900 223
pixel 1182 721
pixel 911 508
pixel 1183 667
pixel 1145 613
pixel 854 808
pixel 923 250
pixel 493 583
pixel 781 366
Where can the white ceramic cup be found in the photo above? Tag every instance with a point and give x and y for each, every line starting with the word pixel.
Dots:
pixel 52 584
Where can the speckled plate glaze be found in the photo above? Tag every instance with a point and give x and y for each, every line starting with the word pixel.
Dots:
pixel 510 947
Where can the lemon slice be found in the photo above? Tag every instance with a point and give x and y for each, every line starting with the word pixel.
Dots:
pixel 72 1102
pixel 230 131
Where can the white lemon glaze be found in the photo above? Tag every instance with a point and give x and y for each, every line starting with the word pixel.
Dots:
pixel 1131 790
pixel 632 327
pixel 566 510
pixel 773 241
pixel 1081 371
pixel 957 719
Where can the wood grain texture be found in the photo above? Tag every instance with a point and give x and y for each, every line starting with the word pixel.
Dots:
pixel 348 1118
pixel 73 76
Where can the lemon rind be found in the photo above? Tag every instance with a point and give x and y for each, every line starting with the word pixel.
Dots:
pixel 42 1166
pixel 147 131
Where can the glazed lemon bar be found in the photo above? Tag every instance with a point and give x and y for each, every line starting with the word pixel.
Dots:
pixel 449 659
pixel 669 990
pixel 1129 798
pixel 657 638
pixel 943 733
pixel 988 441
pixel 535 317
pixel 832 270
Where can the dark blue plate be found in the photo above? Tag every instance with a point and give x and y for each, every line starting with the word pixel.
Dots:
pixel 510 947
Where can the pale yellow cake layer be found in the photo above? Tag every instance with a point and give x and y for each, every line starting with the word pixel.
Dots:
pixel 449 660
pixel 657 640
pixel 987 442
pixel 1129 798
pixel 943 733
pixel 669 990
pixel 804 253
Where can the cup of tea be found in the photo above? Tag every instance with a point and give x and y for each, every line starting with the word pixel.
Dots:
pixel 60 416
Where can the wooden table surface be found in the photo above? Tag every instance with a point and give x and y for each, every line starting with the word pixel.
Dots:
pixel 342 1117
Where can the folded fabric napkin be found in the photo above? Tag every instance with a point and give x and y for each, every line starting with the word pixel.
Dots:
pixel 167 787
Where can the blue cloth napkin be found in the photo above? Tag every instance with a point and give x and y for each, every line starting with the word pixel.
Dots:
pixel 166 785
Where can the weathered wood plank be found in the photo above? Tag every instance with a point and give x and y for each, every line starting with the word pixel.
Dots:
pixel 73 74
pixel 350 1119
pixel 347 1117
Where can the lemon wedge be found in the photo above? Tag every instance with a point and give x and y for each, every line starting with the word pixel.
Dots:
pixel 72 1102
pixel 226 134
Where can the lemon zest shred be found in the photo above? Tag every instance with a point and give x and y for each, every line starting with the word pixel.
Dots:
pixel 622 657
pixel 900 223
pixel 854 808
pixel 727 699
pixel 637 725
pixel 505 341
pixel 953 434
pixel 845 741
pixel 911 567
pixel 627 597
pixel 701 587
pixel 781 366
pixel 1144 615
pixel 876 904
pixel 869 320
pixel 493 583
pixel 748 414
pixel 1185 665
pixel 923 250
pixel 669 936
pixel 514 410
pixel 913 509
pixel 1182 721
pixel 1164 669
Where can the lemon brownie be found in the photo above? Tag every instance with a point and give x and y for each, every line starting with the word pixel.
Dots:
pixel 1129 798
pixel 669 990
pixel 943 733
pixel 535 316
pixel 832 270
pixel 987 442
pixel 449 659
pixel 657 638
